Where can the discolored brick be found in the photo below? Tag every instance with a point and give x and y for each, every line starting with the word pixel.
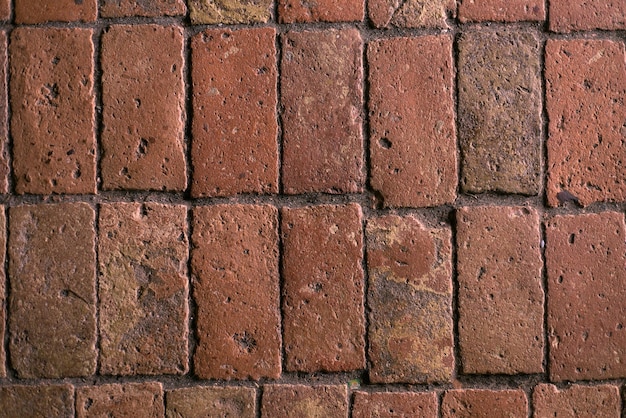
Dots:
pixel 573 15
pixel 236 288
pixel 585 257
pixel 411 13
pixel 52 298
pixel 52 102
pixel 500 290
pixel 40 11
pixel 147 8
pixel 234 148
pixel 304 401
pixel 323 314
pixel 211 402
pixel 500 111
pixel 143 95
pixel 37 401
pixel 143 288
pixel 585 90
pixel 410 301
pixel 137 400
pixel 229 11
pixel 477 403
pixel 3 242
pixel 577 401
pixel 4 135
pixel 322 99
pixel 501 10
pixel 292 11
pixel 413 136
pixel 394 404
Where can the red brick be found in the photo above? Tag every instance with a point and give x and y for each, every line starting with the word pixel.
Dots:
pixel 39 11
pixel 143 94
pixel 304 401
pixel 572 15
pixel 484 404
pixel 394 404
pixel 585 258
pixel 143 288
pixel 5 9
pixel 411 13
pixel 236 288
pixel 150 8
pixel 410 301
pixel 37 401
pixel 52 100
pixel 577 401
pixel 500 111
pixel 322 97
pixel 501 10
pixel 500 290
pixel 291 11
pixel 585 90
pixel 211 402
pixel 4 135
pixel 52 299
pixel 234 148
pixel 229 11
pixel 137 400
pixel 3 242
pixel 323 314
pixel 411 85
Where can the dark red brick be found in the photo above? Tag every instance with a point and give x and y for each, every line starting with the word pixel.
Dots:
pixel 5 9
pixel 39 11
pixel 52 299
pixel 236 288
pixel 411 85
pixel 143 288
pixel 394 404
pixel 501 10
pixel 4 135
pixel 572 15
pixel 149 8
pixel 411 13
pixel 500 290
pixel 577 401
pixel 137 400
pixel 143 94
pixel 229 11
pixel 291 11
pixel 322 97
pixel 585 258
pixel 52 100
pixel 585 90
pixel 475 403
pixel 211 402
pixel 323 314
pixel 3 242
pixel 37 401
pixel 234 148
pixel 304 401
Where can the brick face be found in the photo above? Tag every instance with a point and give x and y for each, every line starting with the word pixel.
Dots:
pixel 501 10
pixel 5 9
pixel 140 400
pixel 577 401
pixel 573 15
pixel 394 404
pixel 211 402
pixel 411 13
pixel 40 11
pixel 229 11
pixel 3 243
pixel 304 401
pixel 484 404
pixel 4 134
pixel 151 8
pixel 291 11
pixel 37 401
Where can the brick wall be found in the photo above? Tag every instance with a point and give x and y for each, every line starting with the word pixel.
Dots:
pixel 357 208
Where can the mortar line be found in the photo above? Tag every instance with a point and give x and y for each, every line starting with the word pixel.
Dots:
pixel 189 113
pixel 192 337
pixel 258 398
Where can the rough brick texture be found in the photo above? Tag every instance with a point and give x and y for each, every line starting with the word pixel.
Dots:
pixel 229 11
pixel 291 11
pixel 500 290
pixel 574 15
pixel 3 242
pixel 412 130
pixel 411 13
pixel 585 90
pixel 304 401
pixel 234 148
pixel 472 403
pixel 4 135
pixel 150 8
pixel 323 313
pixel 37 401
pixel 322 97
pixel 394 404
pixel 5 9
pixel 139 400
pixel 52 102
pixel 236 402
pixel 585 258
pixel 39 11
pixel 236 288
pixel 501 10
pixel 577 401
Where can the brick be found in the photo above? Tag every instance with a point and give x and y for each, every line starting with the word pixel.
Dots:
pixel 234 148
pixel 411 85
pixel 501 10
pixel 323 313
pixel 138 400
pixel 236 288
pixel 500 290
pixel 411 13
pixel 211 402
pixel 39 11
pixel 229 11
pixel 150 8
pixel 5 9
pixel 52 298
pixel 572 15
pixel 304 401
pixel 37 401
pixel 500 111
pixel 577 401
pixel 585 256
pixel 322 100
pixel 477 403
pixel 143 288
pixel 52 102
pixel 3 242
pixel 4 135
pixel 143 97
pixel 585 89
pixel 394 404
pixel 292 11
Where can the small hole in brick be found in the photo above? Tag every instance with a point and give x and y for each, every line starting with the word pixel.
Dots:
pixel 262 70
pixel 64 293
pixel 559 280
pixel 77 173
pixel 225 35
pixel 316 287
pixel 88 403
pixel 142 149
pixel 385 143
pixel 70 152
pixel 246 252
pixel 55 60
pixel 619 326
pixel 137 103
pixel 79 2
pixel 246 342
pixel 572 238
pixel 491 296
pixel 54 182
pixel 174 68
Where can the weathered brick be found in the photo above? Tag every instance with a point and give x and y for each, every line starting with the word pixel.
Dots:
pixel 304 401
pixel 410 301
pixel 394 404
pixel 4 135
pixel 500 290
pixel 137 400
pixel 5 9
pixel 39 11
pixel 585 90
pixel 52 299
pixel 573 15
pixel 211 402
pixel 585 257
pixel 52 101
pixel 323 313
pixel 411 86
pixel 37 401
pixel 143 288
pixel 234 148
pixel 411 13
pixel 236 288
pixel 143 94
pixel 229 11
pixel 3 242
pixel 475 403
pixel 322 97
pixel 577 401
pixel 501 10
pixel 500 111
pixel 150 8
pixel 291 11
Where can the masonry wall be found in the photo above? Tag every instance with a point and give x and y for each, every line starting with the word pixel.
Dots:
pixel 312 208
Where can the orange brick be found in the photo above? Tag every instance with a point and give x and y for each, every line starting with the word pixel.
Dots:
pixel 501 10
pixel 212 401
pixel 477 403
pixel 137 400
pixel 574 15
pixel 394 404
pixel 292 11
pixel 40 11
pixel 304 401
pixel 411 13
pixel 577 401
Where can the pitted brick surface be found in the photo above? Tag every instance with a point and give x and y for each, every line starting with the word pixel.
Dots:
pixel 40 11
pixel 304 401
pixel 147 8
pixel 217 402
pixel 394 404
pixel 291 11
pixel 229 11
pixel 472 403
pixel 137 400
pixel 575 15
pixel 411 13
pixel 37 401
pixel 501 10
pixel 577 401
